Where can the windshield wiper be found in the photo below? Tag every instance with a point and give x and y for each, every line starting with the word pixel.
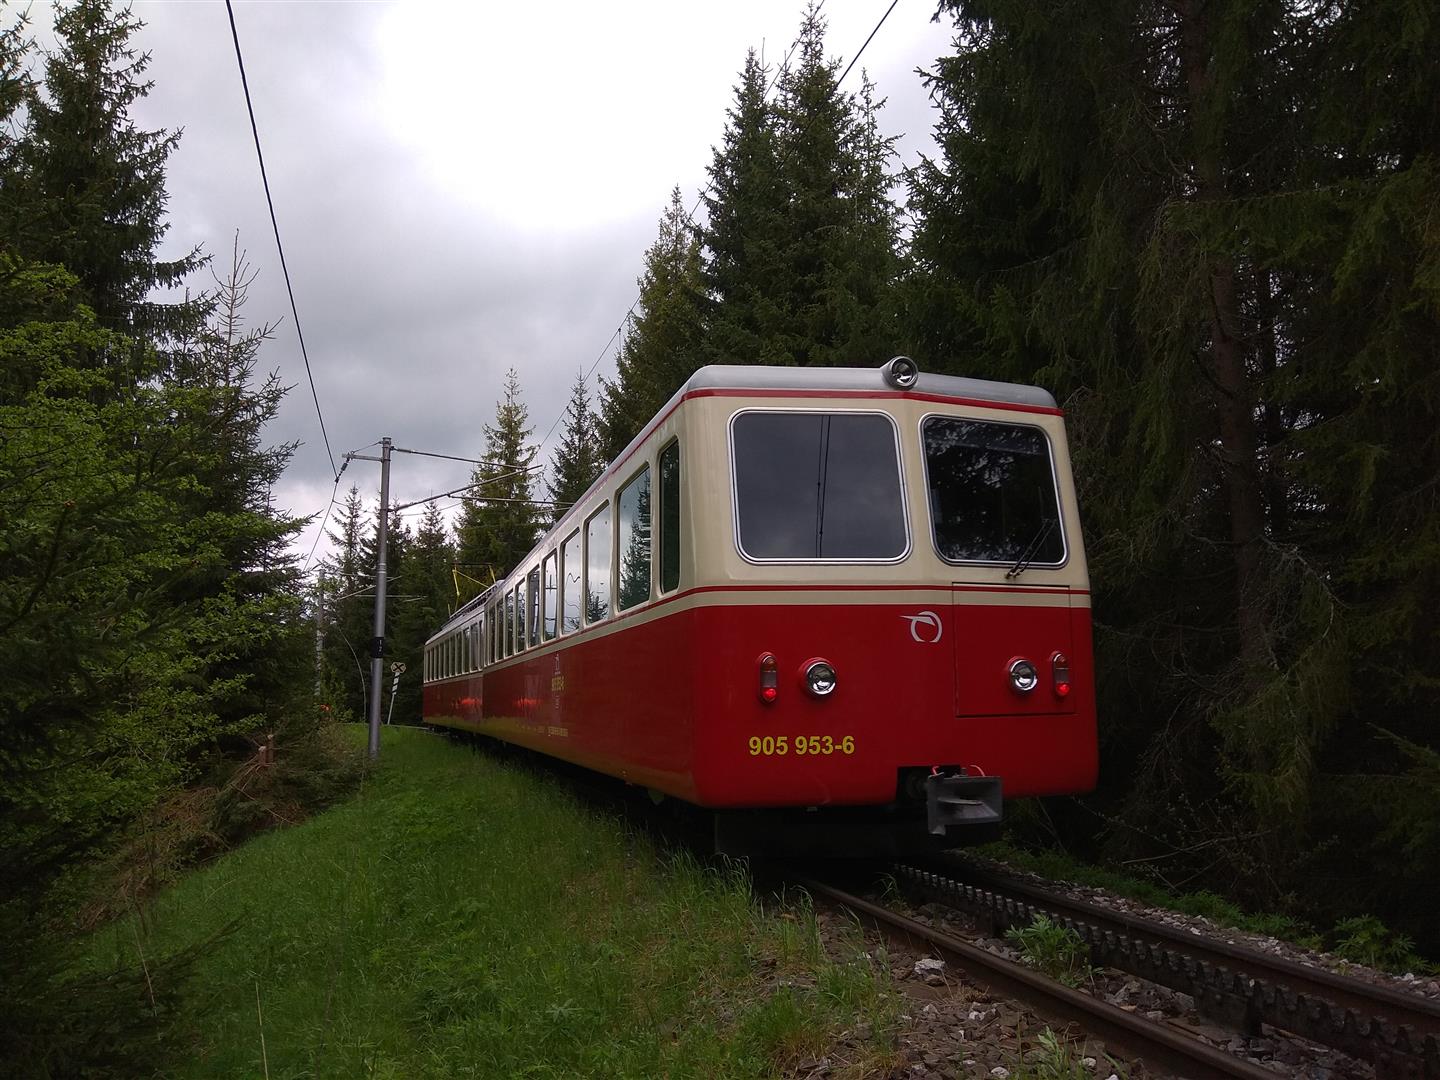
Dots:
pixel 1023 563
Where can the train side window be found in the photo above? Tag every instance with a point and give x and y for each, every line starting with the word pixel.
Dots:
pixel 571 570
pixel 597 565
pixel 670 518
pixel 464 650
pixel 992 492
pixel 548 597
pixel 532 599
pixel 509 624
pixel 818 485
pixel 520 642
pixel 634 544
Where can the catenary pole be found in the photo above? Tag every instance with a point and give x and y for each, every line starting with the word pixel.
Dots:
pixel 377 642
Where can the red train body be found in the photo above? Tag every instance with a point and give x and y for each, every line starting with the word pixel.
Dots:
pixel 858 617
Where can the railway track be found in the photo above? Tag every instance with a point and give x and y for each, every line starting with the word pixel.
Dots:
pixel 1237 987
pixel 1160 1047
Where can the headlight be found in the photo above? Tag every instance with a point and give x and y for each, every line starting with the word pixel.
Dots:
pixel 1023 676
pixel 820 678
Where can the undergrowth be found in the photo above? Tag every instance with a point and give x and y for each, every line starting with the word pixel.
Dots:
pixel 1052 1058
pixel 1362 940
pixel 1053 949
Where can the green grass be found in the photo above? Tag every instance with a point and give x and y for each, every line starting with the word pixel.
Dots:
pixel 460 918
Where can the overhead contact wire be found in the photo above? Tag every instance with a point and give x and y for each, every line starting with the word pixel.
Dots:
pixel 274 224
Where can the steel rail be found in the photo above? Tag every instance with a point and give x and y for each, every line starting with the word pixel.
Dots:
pixel 1156 1044
pixel 1234 985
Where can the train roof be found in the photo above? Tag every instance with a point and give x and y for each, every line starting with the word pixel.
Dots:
pixel 851 380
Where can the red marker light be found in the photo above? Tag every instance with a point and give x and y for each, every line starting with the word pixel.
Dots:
pixel 769 678
pixel 1060 669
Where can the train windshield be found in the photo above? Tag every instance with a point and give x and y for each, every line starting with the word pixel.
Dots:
pixel 818 485
pixel 992 492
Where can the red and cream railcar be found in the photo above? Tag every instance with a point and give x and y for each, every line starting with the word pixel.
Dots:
pixel 847 609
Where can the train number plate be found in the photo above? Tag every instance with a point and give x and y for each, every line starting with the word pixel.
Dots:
pixel 800 745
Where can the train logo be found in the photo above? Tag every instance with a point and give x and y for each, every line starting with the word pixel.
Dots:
pixel 927 619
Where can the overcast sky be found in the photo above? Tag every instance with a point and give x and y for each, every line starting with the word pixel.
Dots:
pixel 462 187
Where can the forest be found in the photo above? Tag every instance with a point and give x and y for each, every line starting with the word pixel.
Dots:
pixel 1226 269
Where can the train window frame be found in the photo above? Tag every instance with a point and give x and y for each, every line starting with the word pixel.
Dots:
pixel 549 595
pixel 646 473
pixel 532 609
pixel 660 518
pixel 1060 503
pixel 901 472
pixel 509 621
pixel 579 582
pixel 609 532
pixel 464 642
pixel 520 615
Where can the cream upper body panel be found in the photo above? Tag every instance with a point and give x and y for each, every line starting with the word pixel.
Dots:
pixel 699 417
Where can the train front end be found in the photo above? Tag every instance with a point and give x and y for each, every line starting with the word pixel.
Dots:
pixel 894 630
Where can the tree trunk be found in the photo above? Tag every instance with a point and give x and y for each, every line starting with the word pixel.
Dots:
pixel 1233 396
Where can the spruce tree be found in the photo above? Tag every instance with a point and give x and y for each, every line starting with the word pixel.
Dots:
pixel 498 519
pixel 578 460
pixel 253 586
pixel 1230 286
pixel 802 237
pixel 425 595
pixel 148 607
pixel 346 616
pixel 664 343
pixel 93 194
pixel 745 203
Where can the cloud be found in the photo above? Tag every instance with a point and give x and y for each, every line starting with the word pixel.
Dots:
pixel 459 188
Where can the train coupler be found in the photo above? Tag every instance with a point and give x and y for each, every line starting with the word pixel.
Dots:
pixel 960 801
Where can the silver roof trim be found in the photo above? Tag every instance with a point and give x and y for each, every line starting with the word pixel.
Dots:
pixel 872 380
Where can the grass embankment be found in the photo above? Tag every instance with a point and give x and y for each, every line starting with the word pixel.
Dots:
pixel 457 918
